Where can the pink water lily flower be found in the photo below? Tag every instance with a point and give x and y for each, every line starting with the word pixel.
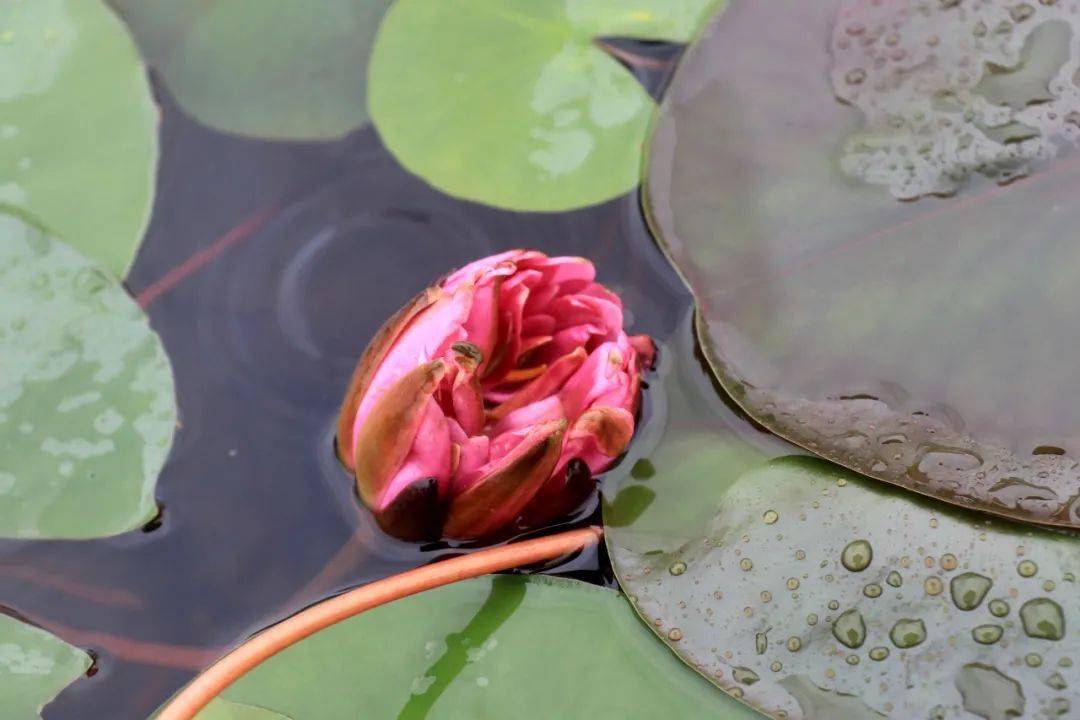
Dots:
pixel 492 399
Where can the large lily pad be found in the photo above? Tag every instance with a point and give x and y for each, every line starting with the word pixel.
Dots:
pixel 795 584
pixel 78 126
pixel 275 69
pixel 925 343
pixel 512 103
pixel 493 647
pixel 87 408
pixel 34 667
pixel 816 588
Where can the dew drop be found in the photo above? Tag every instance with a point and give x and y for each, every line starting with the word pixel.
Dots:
pixel 948 561
pixel 933 585
pixel 872 590
pixel 812 619
pixel 776 666
pixel 1027 568
pixel 675 634
pixel 677 568
pixel 746 564
pixel 855 77
pixel 761 643
pixel 857 555
pixel 794 644
pixel 1056 681
pixel 894 579
pixel 907 633
pixel 770 517
pixel 879 653
pixel 987 634
pixel 1033 660
pixel 745 675
pixel 850 629
pixel 969 589
pixel 1043 618
pixel 793 584
pixel 999 608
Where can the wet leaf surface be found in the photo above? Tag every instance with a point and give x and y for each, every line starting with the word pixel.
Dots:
pixel 78 126
pixel 924 343
pixel 813 593
pixel 273 69
pixel 497 646
pixel 514 104
pixel 87 408
pixel 34 667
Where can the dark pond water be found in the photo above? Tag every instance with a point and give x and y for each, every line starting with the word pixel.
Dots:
pixel 266 269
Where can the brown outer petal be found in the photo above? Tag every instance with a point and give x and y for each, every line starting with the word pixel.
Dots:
pixel 387 434
pixel 613 428
pixel 497 499
pixel 371 359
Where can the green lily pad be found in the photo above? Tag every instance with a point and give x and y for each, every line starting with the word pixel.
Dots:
pixel 492 647
pixel 512 103
pixel 34 667
pixel 274 69
pixel 923 343
pixel 220 709
pixel 78 126
pixel 812 582
pixel 87 408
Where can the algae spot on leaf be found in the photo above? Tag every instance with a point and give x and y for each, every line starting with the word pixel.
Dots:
pixel 274 69
pixel 34 667
pixel 87 408
pixel 512 103
pixel 78 126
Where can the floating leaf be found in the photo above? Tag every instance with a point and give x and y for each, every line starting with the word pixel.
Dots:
pixel 512 103
pixel 493 647
pixel 274 69
pixel 922 343
pixel 811 592
pixel 768 603
pixel 34 667
pixel 78 126
pixel 87 408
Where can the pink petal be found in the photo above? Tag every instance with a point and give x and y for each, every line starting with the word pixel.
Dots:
pixel 429 456
pixel 545 410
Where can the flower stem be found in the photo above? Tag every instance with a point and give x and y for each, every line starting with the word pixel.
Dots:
pixel 204 688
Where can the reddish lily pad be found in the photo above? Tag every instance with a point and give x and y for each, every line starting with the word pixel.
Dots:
pixel 925 343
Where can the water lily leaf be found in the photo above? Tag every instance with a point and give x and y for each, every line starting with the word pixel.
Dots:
pixel 813 593
pixel 78 126
pixel 514 104
pixel 816 589
pixel 274 69
pixel 920 342
pixel 34 667
pixel 87 408
pixel 505 646
pixel 220 709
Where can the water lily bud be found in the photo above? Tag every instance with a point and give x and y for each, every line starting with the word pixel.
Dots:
pixel 493 399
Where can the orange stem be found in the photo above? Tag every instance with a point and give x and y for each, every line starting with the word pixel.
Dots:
pixel 193 698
